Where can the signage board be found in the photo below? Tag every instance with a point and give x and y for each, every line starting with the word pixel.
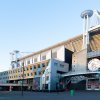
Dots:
pixel 94 64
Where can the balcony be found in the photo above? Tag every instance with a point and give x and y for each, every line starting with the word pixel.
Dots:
pixel 93 54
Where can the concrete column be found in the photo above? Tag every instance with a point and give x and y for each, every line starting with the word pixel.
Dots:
pixel 10 88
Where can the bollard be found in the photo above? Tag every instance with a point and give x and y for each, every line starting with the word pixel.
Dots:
pixel 71 92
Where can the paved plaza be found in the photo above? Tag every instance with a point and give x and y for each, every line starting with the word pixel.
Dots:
pixel 79 95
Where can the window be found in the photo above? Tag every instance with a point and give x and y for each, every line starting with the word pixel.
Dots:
pixel 16 70
pixel 22 75
pixel 43 65
pixel 38 65
pixel 61 65
pixel 27 74
pixel 28 62
pixel 21 69
pixel 22 64
pixel 43 71
pixel 13 71
pixel 35 59
pixel 47 78
pixel 27 68
pixel 3 73
pixel 44 57
pixel 24 69
pixel 54 55
pixel 55 64
pixel 31 74
pixel 35 73
pixel 30 68
pixel 34 66
pixel 39 73
pixel 6 72
pixel 47 63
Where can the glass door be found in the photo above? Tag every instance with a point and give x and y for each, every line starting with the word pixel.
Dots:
pixel 96 85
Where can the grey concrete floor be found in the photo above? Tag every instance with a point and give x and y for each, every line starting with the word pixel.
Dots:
pixel 79 95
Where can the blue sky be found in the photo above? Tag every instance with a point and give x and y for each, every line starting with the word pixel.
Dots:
pixel 31 25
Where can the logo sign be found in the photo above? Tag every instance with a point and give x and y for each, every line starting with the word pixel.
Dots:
pixel 94 64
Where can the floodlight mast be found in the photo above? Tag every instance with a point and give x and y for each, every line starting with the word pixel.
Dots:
pixel 16 52
pixel 14 56
pixel 86 17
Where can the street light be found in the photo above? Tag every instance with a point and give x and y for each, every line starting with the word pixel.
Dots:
pixel 22 77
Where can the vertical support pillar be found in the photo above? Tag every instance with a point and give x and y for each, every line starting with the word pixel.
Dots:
pixel 86 15
pixel 86 83
pixel 87 34
pixel 10 88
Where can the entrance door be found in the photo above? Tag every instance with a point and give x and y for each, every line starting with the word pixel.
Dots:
pixel 92 84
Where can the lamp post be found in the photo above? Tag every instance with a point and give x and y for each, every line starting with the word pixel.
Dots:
pixel 15 64
pixel 22 77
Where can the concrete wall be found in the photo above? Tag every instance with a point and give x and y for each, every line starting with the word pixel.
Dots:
pixel 79 61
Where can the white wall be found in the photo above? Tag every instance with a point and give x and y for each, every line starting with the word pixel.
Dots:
pixel 47 53
pixel 36 56
pixel 60 52
pixel 29 59
pixel 60 55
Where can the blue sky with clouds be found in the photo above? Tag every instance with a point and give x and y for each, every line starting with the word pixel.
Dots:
pixel 31 25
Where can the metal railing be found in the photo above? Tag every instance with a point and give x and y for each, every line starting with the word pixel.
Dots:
pixel 93 54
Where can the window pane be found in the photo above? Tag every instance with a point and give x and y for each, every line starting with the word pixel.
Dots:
pixel 44 57
pixel 54 55
pixel 35 59
pixel 28 62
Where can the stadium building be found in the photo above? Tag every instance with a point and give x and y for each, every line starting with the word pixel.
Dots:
pixel 71 64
